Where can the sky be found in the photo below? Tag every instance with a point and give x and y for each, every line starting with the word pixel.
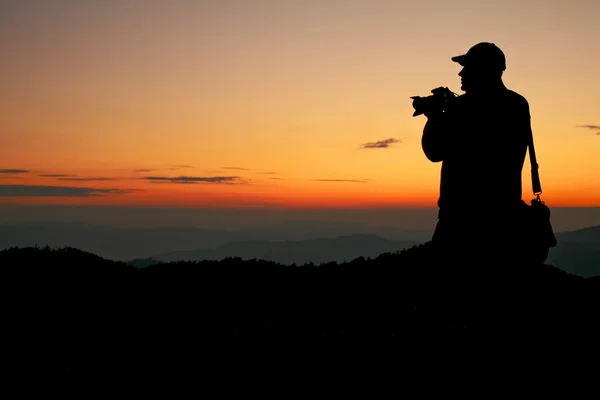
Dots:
pixel 275 103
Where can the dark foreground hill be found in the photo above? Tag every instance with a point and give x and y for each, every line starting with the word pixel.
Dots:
pixel 70 309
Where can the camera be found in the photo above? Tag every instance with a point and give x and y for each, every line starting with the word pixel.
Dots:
pixel 438 102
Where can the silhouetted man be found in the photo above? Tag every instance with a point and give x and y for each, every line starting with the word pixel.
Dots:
pixel 481 140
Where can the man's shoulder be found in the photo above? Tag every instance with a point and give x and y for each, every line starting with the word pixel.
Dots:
pixel 509 94
pixel 507 100
pixel 517 99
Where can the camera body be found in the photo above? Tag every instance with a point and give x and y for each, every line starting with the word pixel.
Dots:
pixel 436 103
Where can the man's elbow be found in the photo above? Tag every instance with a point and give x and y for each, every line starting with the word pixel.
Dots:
pixel 433 156
pixel 432 153
pixel 430 141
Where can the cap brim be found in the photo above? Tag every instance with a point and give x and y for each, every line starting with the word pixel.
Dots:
pixel 460 59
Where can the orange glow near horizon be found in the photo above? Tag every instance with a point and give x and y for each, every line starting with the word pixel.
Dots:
pixel 267 104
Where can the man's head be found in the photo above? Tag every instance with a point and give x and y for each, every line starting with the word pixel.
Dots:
pixel 482 66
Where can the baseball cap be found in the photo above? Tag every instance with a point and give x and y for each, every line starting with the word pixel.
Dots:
pixel 483 54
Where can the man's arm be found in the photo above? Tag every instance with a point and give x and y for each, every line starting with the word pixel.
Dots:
pixel 435 137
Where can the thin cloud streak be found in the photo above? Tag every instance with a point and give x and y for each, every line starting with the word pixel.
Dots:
pixel 57 191
pixel 194 179
pixel 591 127
pixel 380 144
pixel 13 171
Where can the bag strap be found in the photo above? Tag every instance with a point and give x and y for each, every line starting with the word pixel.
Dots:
pixel 535 176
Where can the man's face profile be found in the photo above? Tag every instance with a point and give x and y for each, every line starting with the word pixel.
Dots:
pixel 464 79
pixel 474 77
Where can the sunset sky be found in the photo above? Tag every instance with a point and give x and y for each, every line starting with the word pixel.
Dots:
pixel 272 103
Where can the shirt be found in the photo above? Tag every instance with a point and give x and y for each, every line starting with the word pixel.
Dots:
pixel 481 141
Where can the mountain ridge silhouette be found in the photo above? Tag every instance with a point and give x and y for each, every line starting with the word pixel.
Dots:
pixel 577 251
pixel 66 308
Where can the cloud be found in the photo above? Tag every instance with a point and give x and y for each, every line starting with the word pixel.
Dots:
pixel 56 175
pixel 99 179
pixel 340 180
pixel 268 173
pixel 14 171
pixel 277 179
pixel 144 170
pixel 592 127
pixel 57 191
pixel 194 179
pixel 237 168
pixel 381 144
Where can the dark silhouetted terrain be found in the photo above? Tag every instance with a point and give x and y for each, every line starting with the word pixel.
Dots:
pixel 66 308
pixel 291 242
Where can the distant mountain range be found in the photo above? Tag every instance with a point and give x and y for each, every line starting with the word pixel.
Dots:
pixel 299 252
pixel 140 243
pixel 299 242
pixel 577 252
pixel 113 243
